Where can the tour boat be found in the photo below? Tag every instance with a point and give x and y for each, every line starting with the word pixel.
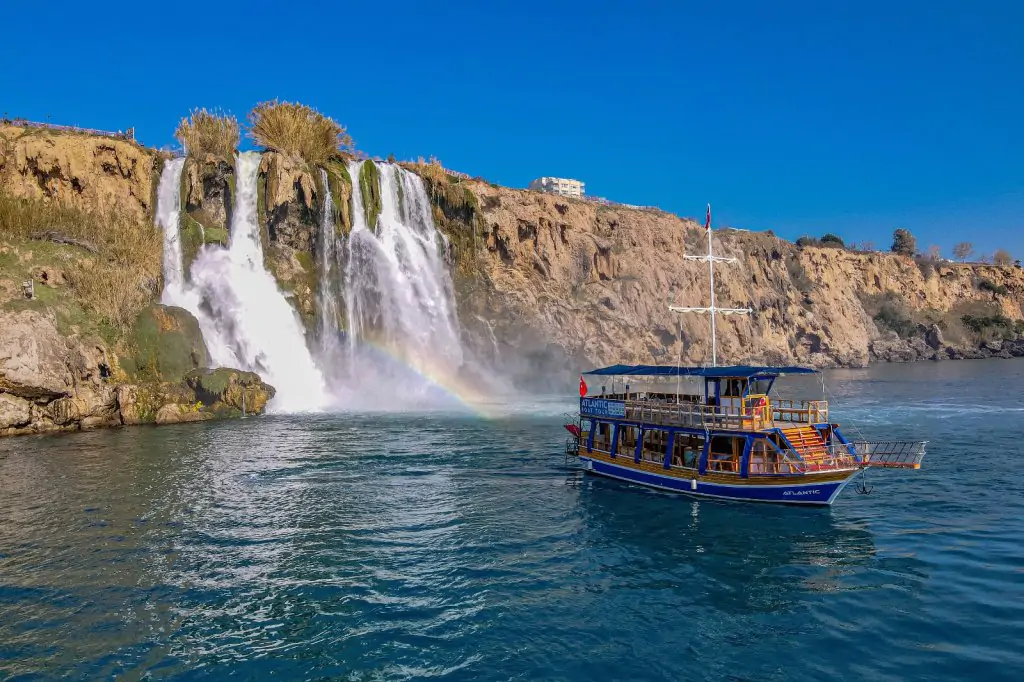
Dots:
pixel 720 432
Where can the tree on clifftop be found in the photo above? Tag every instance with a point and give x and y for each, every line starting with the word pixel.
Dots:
pixel 963 251
pixel 903 242
pixel 1002 257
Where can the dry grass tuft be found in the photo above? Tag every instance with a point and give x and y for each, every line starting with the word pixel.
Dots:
pixel 298 130
pixel 209 133
pixel 119 271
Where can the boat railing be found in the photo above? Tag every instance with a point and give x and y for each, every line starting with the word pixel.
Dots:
pixel 892 454
pixel 799 411
pixel 727 418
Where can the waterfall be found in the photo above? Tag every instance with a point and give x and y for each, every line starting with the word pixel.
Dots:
pixel 398 292
pixel 246 321
pixel 168 212
pixel 390 279
pixel 326 298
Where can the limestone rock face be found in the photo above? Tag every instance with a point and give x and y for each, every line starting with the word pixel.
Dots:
pixel 291 201
pixel 89 410
pixel 33 357
pixel 232 388
pixel 63 381
pixel 90 172
pixel 142 403
pixel 595 283
pixel 166 344
pixel 208 194
pixel 296 275
pixel 14 412
pixel 176 414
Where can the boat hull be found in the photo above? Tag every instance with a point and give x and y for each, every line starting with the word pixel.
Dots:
pixel 811 492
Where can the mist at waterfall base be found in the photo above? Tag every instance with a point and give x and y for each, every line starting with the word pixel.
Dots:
pixel 403 347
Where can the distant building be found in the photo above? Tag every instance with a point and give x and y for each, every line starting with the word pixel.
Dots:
pixel 560 186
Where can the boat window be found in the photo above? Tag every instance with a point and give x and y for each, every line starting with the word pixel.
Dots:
pixel 724 454
pixel 602 436
pixel 655 443
pixel 686 450
pixel 627 440
pixel 734 388
pixel 760 386
pixel 764 459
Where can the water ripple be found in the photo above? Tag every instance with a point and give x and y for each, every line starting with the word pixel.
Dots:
pixel 418 546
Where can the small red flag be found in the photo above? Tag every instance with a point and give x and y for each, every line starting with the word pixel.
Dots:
pixel 583 387
pixel 707 221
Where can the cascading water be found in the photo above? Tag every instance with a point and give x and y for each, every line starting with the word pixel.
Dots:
pixel 247 322
pixel 403 335
pixel 327 301
pixel 398 293
pixel 168 211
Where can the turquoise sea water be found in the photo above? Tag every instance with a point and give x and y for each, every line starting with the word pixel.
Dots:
pixel 413 546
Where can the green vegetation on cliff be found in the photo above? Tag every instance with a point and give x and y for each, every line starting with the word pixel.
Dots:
pixel 112 266
pixel 209 133
pixel 340 183
pixel 369 185
pixel 298 131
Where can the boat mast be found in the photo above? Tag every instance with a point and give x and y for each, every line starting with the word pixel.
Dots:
pixel 711 259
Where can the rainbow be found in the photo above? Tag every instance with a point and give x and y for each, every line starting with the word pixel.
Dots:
pixel 458 388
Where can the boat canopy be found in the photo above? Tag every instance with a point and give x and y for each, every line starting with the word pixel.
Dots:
pixel 731 372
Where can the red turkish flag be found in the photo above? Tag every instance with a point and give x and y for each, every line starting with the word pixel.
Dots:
pixel 707 221
pixel 583 387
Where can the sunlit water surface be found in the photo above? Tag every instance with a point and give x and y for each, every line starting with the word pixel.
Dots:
pixel 452 546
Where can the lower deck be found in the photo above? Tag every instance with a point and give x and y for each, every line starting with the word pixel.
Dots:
pixel 817 489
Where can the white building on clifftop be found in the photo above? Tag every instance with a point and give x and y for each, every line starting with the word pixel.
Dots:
pixel 560 186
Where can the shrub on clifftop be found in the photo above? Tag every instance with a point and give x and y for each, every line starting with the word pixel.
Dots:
pixel 207 133
pixel 904 243
pixel 297 130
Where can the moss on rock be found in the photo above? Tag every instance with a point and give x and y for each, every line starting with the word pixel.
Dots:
pixel 164 344
pixel 227 391
pixel 340 183
pixel 369 186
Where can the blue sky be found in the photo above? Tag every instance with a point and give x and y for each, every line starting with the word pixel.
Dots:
pixel 800 117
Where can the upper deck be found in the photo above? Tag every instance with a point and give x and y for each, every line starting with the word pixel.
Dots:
pixel 723 398
pixel 646 409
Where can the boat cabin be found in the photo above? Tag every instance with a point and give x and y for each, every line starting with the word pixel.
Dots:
pixel 710 420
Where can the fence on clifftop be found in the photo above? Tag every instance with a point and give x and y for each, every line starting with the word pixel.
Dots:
pixel 120 134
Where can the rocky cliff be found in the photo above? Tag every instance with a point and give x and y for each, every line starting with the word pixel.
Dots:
pixel 596 282
pixel 93 173
pixel 83 342
pixel 545 285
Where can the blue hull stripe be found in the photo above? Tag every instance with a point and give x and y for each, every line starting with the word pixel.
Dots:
pixel 805 493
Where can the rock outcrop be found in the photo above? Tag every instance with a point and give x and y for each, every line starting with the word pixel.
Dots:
pixel 86 171
pixel 209 187
pixel 291 201
pixel 165 344
pixel 231 389
pixel 566 281
pixel 49 382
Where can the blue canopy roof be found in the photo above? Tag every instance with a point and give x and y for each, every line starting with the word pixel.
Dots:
pixel 711 372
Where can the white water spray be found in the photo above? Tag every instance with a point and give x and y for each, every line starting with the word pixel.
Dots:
pixel 398 292
pixel 326 298
pixel 168 212
pixel 247 322
pixel 397 287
